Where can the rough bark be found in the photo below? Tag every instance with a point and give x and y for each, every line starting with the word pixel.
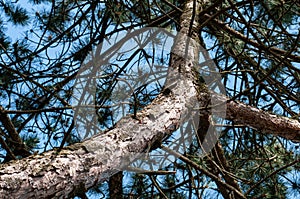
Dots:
pixel 260 120
pixel 255 118
pixel 59 173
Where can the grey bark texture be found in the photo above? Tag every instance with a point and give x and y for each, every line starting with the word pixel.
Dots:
pixel 58 174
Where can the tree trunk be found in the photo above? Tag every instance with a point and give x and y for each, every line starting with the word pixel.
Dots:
pixel 59 173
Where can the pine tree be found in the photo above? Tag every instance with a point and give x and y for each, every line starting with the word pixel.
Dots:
pixel 55 144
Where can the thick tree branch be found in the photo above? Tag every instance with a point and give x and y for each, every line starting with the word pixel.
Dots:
pixel 58 173
pixel 261 120
pixel 264 121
